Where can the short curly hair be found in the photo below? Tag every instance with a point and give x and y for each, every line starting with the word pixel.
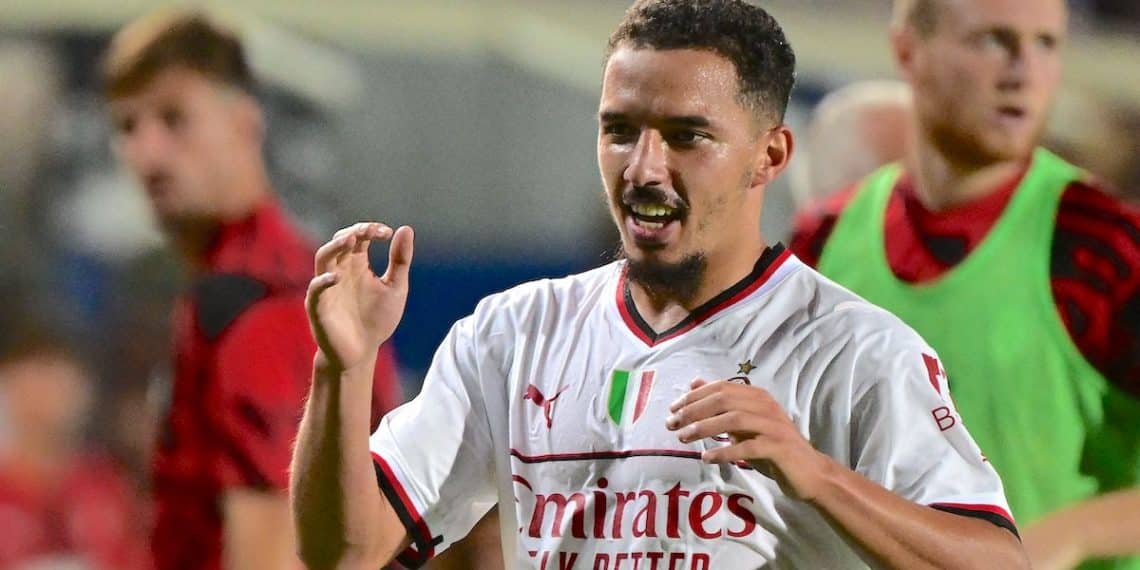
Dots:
pixel 745 34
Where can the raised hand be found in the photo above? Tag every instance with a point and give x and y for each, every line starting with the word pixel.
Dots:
pixel 351 311
pixel 760 430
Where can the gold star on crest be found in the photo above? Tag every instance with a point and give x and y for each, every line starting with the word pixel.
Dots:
pixel 746 367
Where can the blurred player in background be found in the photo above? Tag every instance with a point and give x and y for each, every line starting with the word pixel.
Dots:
pixel 1018 268
pixel 62 504
pixel 594 409
pixel 852 131
pixel 189 127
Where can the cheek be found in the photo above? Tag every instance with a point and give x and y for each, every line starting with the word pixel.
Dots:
pixel 205 159
pixel 130 151
pixel 1050 79
pixel 949 95
pixel 611 165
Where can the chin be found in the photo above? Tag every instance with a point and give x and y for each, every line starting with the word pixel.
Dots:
pixel 1011 150
pixel 648 253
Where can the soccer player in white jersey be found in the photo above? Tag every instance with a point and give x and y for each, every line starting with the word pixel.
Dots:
pixel 705 402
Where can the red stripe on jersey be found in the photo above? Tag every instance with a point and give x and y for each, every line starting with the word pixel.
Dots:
pixel 626 316
pixel 708 314
pixel 422 535
pixel 979 507
pixel 741 290
pixel 616 454
pixel 521 481
pixel 643 393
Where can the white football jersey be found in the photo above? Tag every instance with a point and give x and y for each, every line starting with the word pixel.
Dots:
pixel 551 400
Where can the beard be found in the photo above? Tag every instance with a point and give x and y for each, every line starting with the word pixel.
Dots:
pixel 679 280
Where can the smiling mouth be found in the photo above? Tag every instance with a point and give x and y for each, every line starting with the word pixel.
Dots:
pixel 653 216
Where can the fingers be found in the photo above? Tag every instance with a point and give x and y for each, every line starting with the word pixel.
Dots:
pixel 317 286
pixel 353 239
pixel 711 398
pixel 749 450
pixel 698 390
pixel 400 256
pixel 721 407
pixel 327 254
pixel 694 407
pixel 739 424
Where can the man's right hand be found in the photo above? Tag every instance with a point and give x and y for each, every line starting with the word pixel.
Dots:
pixel 351 311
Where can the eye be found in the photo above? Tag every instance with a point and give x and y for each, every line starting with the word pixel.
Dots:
pixel 685 137
pixel 620 131
pixel 992 40
pixel 173 118
pixel 1047 41
pixel 125 125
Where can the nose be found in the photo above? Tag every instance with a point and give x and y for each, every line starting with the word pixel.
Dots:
pixel 1016 75
pixel 1019 66
pixel 648 163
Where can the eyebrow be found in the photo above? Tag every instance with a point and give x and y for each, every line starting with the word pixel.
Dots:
pixel 674 121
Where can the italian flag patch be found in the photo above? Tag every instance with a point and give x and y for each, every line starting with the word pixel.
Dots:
pixel 629 394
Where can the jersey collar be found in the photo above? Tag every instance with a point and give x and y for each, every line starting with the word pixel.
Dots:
pixel 771 260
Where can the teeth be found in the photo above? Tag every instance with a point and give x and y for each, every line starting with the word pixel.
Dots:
pixel 651 210
pixel 649 225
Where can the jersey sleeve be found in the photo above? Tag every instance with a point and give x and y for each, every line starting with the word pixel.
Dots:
pixel 434 455
pixel 910 439
pixel 262 364
pixel 1095 280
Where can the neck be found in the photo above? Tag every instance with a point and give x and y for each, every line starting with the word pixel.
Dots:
pixel 662 310
pixel 193 238
pixel 942 182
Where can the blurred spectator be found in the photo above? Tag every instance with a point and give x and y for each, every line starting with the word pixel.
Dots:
pixel 62 503
pixel 189 127
pixel 854 130
pixel 26 111
pixel 1094 134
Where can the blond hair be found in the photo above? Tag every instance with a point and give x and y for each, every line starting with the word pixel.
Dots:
pixel 921 15
pixel 169 39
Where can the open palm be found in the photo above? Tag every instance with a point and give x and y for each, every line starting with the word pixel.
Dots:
pixel 351 310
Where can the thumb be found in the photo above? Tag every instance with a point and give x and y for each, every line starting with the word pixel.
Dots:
pixel 400 256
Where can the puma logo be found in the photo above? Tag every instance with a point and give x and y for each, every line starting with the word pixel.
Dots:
pixel 535 395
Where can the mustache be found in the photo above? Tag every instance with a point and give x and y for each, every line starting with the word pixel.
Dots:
pixel 653 195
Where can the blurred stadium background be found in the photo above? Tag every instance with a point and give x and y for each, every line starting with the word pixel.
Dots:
pixel 472 121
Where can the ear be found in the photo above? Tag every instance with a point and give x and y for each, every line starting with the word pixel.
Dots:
pixel 904 44
pixel 251 119
pixel 772 155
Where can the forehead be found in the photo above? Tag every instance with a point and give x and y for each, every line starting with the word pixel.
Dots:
pixel 1032 15
pixel 171 85
pixel 679 81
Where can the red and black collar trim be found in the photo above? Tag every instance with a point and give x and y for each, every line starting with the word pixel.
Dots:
pixel 769 262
